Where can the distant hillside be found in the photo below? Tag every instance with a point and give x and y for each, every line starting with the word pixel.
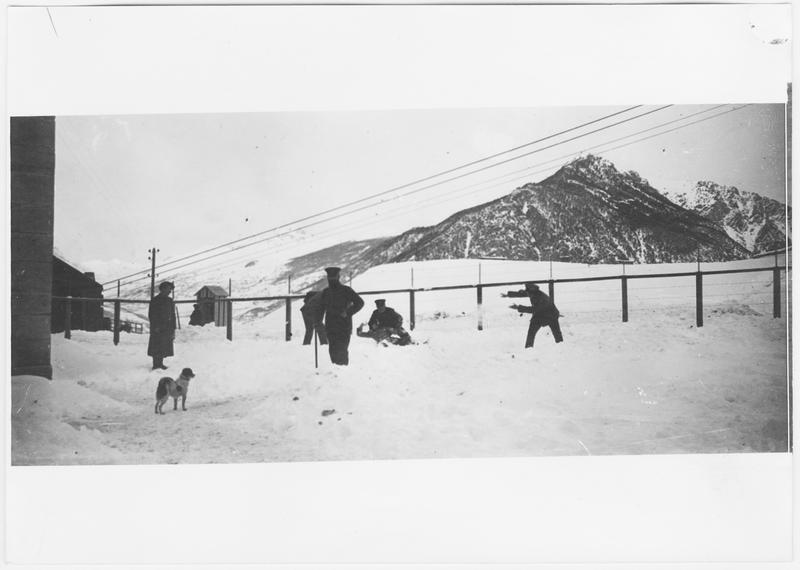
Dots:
pixel 259 277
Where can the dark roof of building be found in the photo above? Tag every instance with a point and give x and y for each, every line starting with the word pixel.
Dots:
pixel 215 289
pixel 75 272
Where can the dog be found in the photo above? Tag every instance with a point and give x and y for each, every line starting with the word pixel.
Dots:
pixel 169 388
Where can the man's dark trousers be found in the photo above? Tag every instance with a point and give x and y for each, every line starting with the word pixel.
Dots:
pixel 536 324
pixel 310 326
pixel 338 344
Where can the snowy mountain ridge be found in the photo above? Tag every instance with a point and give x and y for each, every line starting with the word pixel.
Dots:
pixel 756 222
pixel 588 212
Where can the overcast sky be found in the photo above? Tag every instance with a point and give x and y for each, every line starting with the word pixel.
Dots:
pixel 185 183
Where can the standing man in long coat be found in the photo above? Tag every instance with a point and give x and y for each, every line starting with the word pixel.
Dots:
pixel 339 303
pixel 543 312
pixel 162 325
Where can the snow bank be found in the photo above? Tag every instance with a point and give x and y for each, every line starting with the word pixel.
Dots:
pixel 50 422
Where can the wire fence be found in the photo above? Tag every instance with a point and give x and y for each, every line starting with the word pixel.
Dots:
pixel 605 294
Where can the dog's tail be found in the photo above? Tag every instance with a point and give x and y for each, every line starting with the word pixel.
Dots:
pixel 161 391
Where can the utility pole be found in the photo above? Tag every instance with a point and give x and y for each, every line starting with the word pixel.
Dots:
pixel 152 258
pixel 290 284
pixel 118 286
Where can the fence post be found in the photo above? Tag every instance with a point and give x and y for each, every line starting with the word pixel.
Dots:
pixel 412 317
pixel 480 307
pixel 116 322
pixel 624 299
pixel 68 317
pixel 699 288
pixel 229 311
pixel 551 289
pixel 288 319
pixel 776 293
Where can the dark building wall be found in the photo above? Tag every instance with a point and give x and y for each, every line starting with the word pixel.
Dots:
pixel 32 194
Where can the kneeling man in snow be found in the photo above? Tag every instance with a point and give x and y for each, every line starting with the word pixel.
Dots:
pixel 543 312
pixel 386 324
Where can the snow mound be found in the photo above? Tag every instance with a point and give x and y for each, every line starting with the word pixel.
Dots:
pixel 45 405
pixel 36 395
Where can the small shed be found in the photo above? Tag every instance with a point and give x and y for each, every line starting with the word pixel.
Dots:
pixel 211 299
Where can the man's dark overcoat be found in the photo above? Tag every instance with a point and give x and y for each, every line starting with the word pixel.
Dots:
pixel 312 317
pixel 389 318
pixel 162 326
pixel 544 313
pixel 339 303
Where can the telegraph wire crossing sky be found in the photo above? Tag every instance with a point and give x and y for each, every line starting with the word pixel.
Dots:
pixel 345 209
pixel 188 183
pixel 228 252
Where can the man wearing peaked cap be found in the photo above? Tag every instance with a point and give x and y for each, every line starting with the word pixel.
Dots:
pixel 338 305
pixel 386 324
pixel 161 314
pixel 384 317
pixel 543 312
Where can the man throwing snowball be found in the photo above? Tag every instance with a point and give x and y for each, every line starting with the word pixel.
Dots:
pixel 543 312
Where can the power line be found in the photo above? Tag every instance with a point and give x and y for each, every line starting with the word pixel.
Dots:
pixel 383 201
pixel 587 149
pixel 394 189
pixel 460 190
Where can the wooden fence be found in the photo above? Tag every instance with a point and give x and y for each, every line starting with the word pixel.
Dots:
pixel 479 288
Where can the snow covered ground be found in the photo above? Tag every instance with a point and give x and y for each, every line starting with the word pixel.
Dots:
pixel 657 384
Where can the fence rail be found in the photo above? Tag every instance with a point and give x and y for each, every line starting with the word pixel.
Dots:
pixel 479 287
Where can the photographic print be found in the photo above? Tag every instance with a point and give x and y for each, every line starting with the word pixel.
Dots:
pixel 409 285
pixel 399 284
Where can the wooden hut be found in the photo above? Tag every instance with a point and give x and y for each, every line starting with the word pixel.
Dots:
pixel 212 301
pixel 71 281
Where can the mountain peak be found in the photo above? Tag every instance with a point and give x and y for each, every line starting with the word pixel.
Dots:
pixel 593 165
pixel 717 190
pixel 597 168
